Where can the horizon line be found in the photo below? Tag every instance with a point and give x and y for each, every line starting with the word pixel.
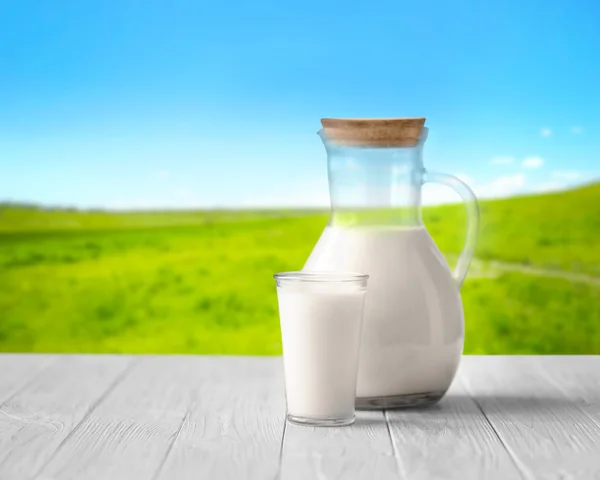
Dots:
pixel 28 205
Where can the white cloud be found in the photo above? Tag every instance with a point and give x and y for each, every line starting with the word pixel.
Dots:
pixel 502 186
pixel 576 129
pixel 545 132
pixel 547 187
pixel 503 160
pixel 436 194
pixel 505 186
pixel 533 162
pixel 567 175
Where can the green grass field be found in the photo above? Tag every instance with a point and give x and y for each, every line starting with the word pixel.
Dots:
pixel 201 282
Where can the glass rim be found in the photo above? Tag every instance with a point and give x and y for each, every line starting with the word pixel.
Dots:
pixel 322 277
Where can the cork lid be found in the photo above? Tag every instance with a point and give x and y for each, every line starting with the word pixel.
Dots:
pixel 376 132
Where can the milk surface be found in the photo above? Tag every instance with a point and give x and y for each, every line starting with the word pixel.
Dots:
pixel 320 334
pixel 412 335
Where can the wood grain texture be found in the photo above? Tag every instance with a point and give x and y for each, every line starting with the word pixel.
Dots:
pixel 36 420
pixel 452 439
pixel 187 417
pixel 546 431
pixel 362 450
pixel 234 429
pixel 578 377
pixel 129 434
pixel 16 371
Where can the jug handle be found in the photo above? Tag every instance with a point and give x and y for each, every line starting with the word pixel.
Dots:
pixel 473 220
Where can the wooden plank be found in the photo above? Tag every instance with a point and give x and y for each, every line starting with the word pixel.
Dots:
pixel 35 421
pixel 548 433
pixel 362 450
pixel 452 439
pixel 129 434
pixel 235 427
pixel 222 417
pixel 16 371
pixel 578 377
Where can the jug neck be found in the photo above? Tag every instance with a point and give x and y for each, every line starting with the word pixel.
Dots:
pixel 375 186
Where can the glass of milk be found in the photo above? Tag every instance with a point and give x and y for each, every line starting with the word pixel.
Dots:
pixel 321 322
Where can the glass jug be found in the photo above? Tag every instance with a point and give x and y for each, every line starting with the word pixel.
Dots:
pixel 413 328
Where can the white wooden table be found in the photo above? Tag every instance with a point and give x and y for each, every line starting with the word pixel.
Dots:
pixel 114 417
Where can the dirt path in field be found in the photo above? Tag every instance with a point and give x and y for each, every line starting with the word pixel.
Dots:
pixel 493 268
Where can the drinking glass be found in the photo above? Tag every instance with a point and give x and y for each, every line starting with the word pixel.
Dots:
pixel 321 321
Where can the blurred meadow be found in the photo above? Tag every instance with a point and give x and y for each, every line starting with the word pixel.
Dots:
pixel 201 281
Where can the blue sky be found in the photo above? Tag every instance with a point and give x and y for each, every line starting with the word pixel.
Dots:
pixel 134 104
